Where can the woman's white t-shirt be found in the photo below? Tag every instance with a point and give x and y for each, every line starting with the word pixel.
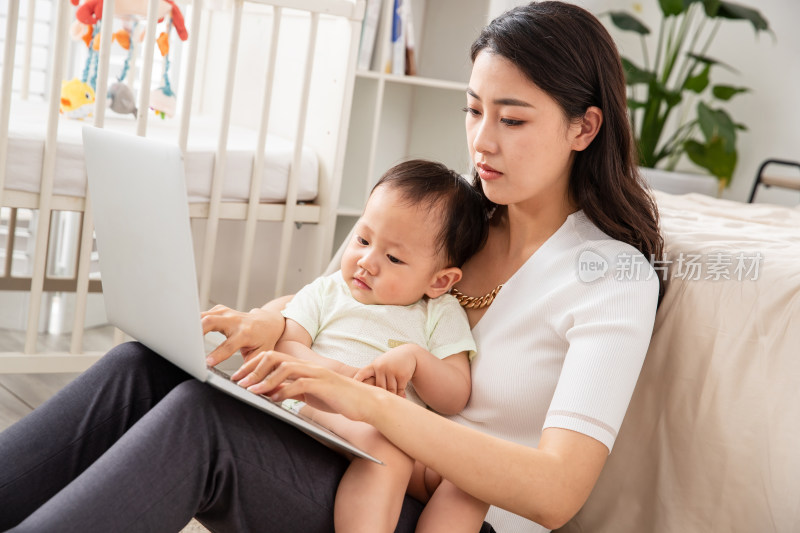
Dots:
pixel 562 344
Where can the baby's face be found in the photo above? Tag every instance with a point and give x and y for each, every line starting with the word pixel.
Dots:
pixel 392 259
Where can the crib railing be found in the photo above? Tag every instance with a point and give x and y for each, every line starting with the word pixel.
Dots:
pixel 288 214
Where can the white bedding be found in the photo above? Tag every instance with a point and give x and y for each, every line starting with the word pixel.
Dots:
pixel 26 150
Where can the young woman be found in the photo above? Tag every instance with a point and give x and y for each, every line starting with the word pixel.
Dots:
pixel 135 443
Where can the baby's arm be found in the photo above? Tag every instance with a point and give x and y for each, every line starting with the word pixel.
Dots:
pixel 443 384
pixel 296 341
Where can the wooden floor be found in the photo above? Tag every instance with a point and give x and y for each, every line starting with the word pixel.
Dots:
pixel 94 339
pixel 21 393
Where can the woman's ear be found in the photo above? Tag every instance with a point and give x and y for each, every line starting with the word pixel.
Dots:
pixel 589 126
pixel 442 281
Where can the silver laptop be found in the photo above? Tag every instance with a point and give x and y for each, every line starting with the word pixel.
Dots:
pixel 144 241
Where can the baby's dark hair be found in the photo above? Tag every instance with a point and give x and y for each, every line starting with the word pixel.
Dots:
pixel 432 186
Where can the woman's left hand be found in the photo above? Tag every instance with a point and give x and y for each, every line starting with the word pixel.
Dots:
pixel 249 333
pixel 282 376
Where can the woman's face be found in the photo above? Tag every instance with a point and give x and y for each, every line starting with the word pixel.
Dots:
pixel 519 139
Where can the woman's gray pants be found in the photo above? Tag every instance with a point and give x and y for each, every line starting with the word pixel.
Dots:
pixel 135 444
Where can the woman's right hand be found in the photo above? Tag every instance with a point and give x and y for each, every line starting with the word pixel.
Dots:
pixel 283 376
pixel 249 333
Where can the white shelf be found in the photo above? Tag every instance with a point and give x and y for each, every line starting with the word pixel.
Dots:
pixel 396 117
pixel 413 80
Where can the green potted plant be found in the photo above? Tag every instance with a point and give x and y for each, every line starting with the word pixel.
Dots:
pixel 675 75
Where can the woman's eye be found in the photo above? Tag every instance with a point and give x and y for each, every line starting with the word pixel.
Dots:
pixel 394 260
pixel 512 122
pixel 471 110
pixel 362 241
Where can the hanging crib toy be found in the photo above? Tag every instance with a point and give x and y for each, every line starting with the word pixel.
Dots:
pixel 77 95
pixel 162 100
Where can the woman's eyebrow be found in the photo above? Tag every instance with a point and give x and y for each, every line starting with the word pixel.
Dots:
pixel 501 101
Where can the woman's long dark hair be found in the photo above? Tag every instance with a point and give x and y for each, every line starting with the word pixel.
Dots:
pixel 567 52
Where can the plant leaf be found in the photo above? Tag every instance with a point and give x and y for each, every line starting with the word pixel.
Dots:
pixel 711 7
pixel 713 157
pixel 711 61
pixel 658 90
pixel 729 10
pixel 716 123
pixel 635 74
pixel 635 104
pixel 699 82
pixel 628 22
pixel 727 129
pixel 671 7
pixel 726 92
pixel 705 116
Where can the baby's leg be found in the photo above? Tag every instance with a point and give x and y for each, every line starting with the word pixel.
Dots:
pixel 370 496
pixel 450 509
pixel 423 482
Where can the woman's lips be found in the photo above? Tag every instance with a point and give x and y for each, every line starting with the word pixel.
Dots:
pixel 487 173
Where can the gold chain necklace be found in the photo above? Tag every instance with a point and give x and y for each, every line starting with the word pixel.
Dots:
pixel 475 302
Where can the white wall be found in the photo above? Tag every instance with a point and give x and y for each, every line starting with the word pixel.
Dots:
pixel 769 66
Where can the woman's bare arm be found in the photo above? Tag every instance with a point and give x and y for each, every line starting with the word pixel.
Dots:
pixel 548 484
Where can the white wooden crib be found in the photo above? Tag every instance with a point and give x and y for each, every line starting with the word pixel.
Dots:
pixel 264 93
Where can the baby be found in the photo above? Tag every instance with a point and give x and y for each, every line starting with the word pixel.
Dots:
pixel 386 318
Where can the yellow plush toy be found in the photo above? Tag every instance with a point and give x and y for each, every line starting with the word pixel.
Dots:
pixel 77 99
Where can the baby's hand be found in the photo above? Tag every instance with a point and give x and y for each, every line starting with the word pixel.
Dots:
pixel 392 370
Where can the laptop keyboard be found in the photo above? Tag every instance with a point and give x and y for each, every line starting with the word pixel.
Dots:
pixel 220 373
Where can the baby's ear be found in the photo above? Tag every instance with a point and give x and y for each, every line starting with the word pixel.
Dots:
pixel 442 281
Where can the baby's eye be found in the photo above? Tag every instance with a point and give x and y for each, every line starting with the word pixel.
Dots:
pixel 394 260
pixel 362 241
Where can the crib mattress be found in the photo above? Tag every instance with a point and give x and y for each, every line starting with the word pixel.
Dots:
pixel 27 129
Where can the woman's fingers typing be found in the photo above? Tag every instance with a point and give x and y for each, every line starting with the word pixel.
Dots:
pixel 222 352
pixel 282 376
pixel 320 388
pixel 254 371
pixel 248 333
pixel 246 369
pixel 269 371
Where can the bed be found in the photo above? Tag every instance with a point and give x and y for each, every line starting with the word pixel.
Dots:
pixel 710 439
pixel 259 176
